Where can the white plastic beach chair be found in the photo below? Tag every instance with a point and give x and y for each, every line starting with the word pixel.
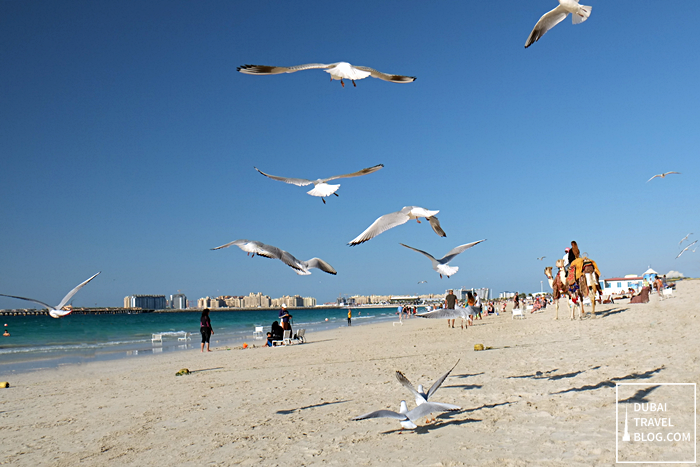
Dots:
pixel 587 301
pixel 187 336
pixel 258 334
pixel 300 336
pixel 157 338
pixel 518 312
pixel 668 293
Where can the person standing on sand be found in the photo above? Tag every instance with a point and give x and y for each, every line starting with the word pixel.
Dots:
pixel 349 316
pixel 450 300
pixel 205 328
pixel 284 317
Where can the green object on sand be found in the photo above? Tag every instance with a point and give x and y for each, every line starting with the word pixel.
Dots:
pixel 184 371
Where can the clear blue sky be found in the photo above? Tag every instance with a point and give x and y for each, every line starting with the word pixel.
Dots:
pixel 128 140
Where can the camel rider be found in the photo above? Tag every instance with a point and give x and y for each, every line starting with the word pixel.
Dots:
pixel 586 266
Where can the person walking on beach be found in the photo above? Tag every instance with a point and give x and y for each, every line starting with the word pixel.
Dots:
pixel 205 328
pixel 349 316
pixel 284 316
pixel 450 300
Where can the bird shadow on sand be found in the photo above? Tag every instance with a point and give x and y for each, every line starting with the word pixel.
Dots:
pixel 553 377
pixel 467 375
pixel 291 411
pixel 442 420
pixel 640 396
pixel 466 387
pixel 610 383
pixel 322 340
pixel 612 311
pixel 488 406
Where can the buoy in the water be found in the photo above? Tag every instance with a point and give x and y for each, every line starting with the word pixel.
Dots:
pixel 326 319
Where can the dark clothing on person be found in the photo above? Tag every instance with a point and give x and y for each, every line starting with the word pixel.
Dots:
pixel 450 300
pixel 205 329
pixel 276 331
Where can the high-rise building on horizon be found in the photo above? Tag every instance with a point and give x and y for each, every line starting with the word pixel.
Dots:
pixel 145 302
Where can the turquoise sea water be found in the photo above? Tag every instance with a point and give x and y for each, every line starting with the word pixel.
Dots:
pixel 41 342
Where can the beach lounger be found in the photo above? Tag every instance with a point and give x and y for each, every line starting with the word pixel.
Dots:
pixel 300 336
pixel 185 337
pixel 157 338
pixel 518 312
pixel 258 334
pixel 286 338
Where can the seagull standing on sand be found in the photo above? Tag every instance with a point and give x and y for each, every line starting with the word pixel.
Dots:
pixel 663 175
pixel 579 14
pixel 338 71
pixel 57 312
pixel 685 238
pixel 685 249
pixel 321 188
pixel 272 252
pixel 406 417
pixel 441 265
pixel 391 220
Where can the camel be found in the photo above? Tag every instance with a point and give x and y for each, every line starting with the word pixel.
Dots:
pixel 560 288
pixel 587 281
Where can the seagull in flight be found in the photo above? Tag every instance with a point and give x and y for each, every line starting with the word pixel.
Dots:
pixel 685 238
pixel 253 248
pixel 406 417
pixel 321 188
pixel 447 313
pixel 579 14
pixel 441 265
pixel 391 220
pixel 57 312
pixel 422 397
pixel 423 282
pixel 541 258
pixel 686 248
pixel 338 71
pixel 663 175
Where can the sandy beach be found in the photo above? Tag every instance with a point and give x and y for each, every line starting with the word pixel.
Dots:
pixel 544 394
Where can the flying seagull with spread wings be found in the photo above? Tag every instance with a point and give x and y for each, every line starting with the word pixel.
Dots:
pixel 685 238
pixel 663 175
pixel 57 312
pixel 579 14
pixel 686 249
pixel 338 71
pixel 442 265
pixel 268 251
pixel 421 396
pixel 406 417
pixel 393 219
pixel 541 258
pixel 321 188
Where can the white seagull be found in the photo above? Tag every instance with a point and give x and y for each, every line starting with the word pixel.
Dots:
pixel 685 238
pixel 57 312
pixel 441 265
pixel 338 71
pixel 686 248
pixel 541 258
pixel 663 175
pixel 422 397
pixel 268 251
pixel 321 188
pixel 406 417
pixel 447 313
pixel 579 14
pixel 391 220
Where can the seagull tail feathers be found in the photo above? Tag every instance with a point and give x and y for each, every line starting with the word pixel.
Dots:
pixel 584 11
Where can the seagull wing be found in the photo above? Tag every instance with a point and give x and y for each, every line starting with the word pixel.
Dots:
pixel 275 70
pixel 652 178
pixel 74 291
pixel 407 384
pixel 318 263
pixel 457 250
pixel 668 173
pixel 384 223
pixel 382 414
pixel 287 258
pixel 27 299
pixel 547 22
pixel 366 171
pixel 444 313
pixel 430 257
pixel 386 77
pixel 435 224
pixel 684 249
pixel 292 181
pixel 235 242
pixel 426 409
pixel 439 382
